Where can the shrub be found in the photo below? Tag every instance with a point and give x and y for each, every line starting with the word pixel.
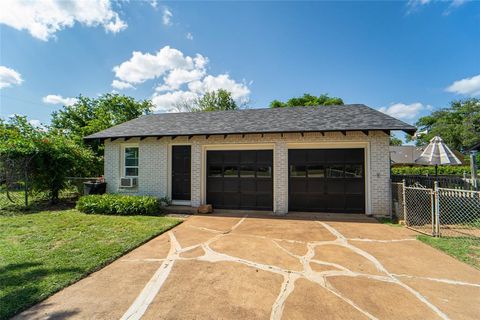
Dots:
pixel 430 170
pixel 117 204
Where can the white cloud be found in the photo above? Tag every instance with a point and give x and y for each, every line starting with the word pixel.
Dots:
pixel 167 17
pixel 239 91
pixel 9 77
pixel 154 3
pixel 167 102
pixel 407 112
pixel 120 85
pixel 467 86
pixel 182 77
pixel 142 67
pixel 57 99
pixel 415 5
pixel 189 36
pixel 44 18
pixel 178 77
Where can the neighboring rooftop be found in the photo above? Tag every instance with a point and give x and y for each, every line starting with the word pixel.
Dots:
pixel 405 154
pixel 353 117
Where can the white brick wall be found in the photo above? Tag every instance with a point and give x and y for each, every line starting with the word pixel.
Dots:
pixel 154 175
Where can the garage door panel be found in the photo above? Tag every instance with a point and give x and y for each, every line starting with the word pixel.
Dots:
pixel 215 157
pixel 318 202
pixel 331 180
pixel 336 202
pixel 299 185
pixel 316 186
pixel 231 200
pixel 231 185
pixel 355 203
pixel 231 157
pixel 245 179
pixel 335 186
pixel 264 186
pixel 216 197
pixel 248 185
pixel 356 186
pixel 248 200
pixel 264 201
pixel 248 157
pixel 316 156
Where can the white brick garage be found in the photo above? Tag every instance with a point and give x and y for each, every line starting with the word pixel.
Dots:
pixel 155 158
pixel 155 163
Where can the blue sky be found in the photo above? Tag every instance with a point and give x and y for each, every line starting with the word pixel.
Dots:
pixel 404 58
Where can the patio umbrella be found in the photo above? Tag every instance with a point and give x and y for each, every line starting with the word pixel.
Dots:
pixel 437 152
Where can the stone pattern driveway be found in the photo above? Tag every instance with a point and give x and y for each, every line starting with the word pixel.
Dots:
pixel 254 267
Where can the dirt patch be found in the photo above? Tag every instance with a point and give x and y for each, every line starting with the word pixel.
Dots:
pixel 383 300
pixel 310 301
pixel 346 258
pixel 258 250
pixel 223 290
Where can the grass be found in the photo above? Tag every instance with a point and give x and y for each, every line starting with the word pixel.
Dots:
pixel 41 253
pixel 464 249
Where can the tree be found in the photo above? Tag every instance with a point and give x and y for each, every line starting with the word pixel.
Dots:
pixel 307 100
pixel 50 157
pixel 90 115
pixel 220 100
pixel 394 141
pixel 458 125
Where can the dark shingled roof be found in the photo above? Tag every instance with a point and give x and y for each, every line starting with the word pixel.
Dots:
pixel 297 119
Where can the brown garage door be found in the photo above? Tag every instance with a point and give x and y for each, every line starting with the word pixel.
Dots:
pixel 240 179
pixel 327 180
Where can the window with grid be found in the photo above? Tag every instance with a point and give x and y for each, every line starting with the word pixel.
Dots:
pixel 131 162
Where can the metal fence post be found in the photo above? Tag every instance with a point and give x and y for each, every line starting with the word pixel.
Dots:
pixel 436 204
pixel 404 202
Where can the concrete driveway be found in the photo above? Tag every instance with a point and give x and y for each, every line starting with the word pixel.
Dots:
pixel 254 267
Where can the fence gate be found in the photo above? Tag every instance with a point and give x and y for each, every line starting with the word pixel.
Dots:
pixel 419 209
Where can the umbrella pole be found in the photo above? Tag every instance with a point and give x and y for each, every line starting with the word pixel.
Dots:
pixel 436 170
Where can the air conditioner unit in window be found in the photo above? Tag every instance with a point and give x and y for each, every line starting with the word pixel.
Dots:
pixel 128 182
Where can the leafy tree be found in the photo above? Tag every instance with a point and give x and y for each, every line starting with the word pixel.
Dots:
pixel 458 125
pixel 394 141
pixel 90 115
pixel 220 100
pixel 307 100
pixel 51 157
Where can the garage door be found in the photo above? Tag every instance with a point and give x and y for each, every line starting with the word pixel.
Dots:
pixel 327 180
pixel 240 179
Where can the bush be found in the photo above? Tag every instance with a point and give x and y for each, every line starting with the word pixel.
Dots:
pixel 117 204
pixel 430 170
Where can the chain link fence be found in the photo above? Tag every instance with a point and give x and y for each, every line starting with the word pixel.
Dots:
pixel 15 194
pixel 436 211
pixel 458 213
pixel 418 206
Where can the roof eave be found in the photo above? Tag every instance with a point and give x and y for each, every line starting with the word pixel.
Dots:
pixel 409 131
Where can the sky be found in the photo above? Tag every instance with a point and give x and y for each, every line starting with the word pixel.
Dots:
pixel 406 59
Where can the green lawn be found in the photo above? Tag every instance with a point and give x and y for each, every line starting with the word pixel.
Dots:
pixel 40 253
pixel 464 249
